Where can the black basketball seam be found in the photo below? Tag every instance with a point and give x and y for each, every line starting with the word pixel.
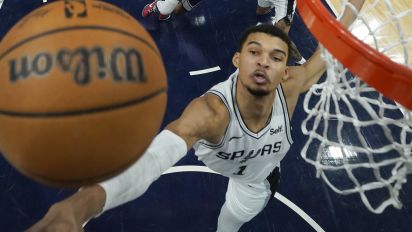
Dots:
pixel 51 32
pixel 83 112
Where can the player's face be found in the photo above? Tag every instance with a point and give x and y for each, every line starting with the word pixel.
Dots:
pixel 262 63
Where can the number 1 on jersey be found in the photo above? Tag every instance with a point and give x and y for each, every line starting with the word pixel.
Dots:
pixel 241 171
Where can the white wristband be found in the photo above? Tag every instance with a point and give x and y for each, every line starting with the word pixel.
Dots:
pixel 165 150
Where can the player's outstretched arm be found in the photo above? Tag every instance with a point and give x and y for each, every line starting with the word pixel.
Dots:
pixel 204 118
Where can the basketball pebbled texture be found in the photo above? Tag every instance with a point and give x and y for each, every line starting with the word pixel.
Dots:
pixel 82 92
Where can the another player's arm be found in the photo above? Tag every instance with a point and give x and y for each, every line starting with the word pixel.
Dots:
pixel 204 118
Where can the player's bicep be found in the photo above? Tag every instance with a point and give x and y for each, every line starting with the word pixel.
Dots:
pixel 194 122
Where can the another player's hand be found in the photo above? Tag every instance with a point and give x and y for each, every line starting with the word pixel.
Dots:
pixel 60 217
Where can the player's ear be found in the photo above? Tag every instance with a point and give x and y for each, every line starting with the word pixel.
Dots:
pixel 235 59
pixel 286 75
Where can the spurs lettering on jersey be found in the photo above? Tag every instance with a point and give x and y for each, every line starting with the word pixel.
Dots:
pixel 245 155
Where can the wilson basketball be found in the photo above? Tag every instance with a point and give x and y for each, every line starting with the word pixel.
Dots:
pixel 82 92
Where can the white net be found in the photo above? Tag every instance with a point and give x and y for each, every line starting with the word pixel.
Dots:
pixel 359 140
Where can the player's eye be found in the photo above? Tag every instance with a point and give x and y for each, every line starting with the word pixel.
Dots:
pixel 253 52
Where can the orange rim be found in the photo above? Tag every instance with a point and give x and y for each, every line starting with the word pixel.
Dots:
pixel 388 77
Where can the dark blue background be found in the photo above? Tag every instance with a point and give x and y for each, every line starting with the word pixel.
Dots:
pixel 191 201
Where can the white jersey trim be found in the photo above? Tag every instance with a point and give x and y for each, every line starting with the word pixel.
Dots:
pixel 285 108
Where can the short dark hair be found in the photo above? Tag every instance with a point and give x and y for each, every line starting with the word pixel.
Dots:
pixel 267 29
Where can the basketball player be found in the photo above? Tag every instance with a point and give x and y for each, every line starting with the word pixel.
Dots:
pixel 284 12
pixel 166 7
pixel 239 128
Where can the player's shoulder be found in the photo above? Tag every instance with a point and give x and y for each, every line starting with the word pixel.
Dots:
pixel 210 116
pixel 204 118
pixel 214 104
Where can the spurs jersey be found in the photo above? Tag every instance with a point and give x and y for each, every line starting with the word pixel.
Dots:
pixel 243 154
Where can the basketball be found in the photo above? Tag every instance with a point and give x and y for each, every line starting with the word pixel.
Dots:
pixel 83 92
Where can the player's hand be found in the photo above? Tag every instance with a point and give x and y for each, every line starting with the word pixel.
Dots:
pixel 60 217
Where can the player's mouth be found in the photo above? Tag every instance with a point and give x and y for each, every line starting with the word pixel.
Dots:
pixel 260 77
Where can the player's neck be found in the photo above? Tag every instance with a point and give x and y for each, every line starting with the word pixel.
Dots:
pixel 255 110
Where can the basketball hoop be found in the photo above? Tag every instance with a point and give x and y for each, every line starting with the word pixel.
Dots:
pixel 359 137
pixel 370 65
